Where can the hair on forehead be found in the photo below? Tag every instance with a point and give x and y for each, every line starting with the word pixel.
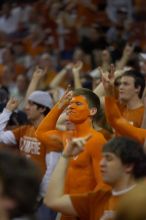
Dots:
pixel 130 152
pixel 92 99
pixel 139 80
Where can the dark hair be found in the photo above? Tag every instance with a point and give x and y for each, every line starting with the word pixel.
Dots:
pixel 139 80
pixel 92 99
pixel 17 118
pixel 117 81
pixel 46 111
pixel 21 182
pixel 130 152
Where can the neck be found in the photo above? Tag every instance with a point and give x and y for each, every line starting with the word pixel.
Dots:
pixel 123 185
pixel 123 191
pixel 134 103
pixel 84 128
pixel 36 122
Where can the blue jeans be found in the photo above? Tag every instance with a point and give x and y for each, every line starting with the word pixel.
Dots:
pixel 45 213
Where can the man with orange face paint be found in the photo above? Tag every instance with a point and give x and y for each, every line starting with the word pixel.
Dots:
pixel 82 108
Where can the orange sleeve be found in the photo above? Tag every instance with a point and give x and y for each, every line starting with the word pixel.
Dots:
pixel 47 133
pixel 81 204
pixel 91 205
pixel 95 151
pixel 119 123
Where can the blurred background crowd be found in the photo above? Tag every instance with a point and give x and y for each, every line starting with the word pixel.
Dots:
pixel 50 34
pixel 42 41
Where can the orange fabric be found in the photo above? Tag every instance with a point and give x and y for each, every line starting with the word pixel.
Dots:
pixel 133 116
pixel 19 69
pixel 83 173
pixel 120 124
pixel 30 146
pixel 93 206
pixel 86 15
pixel 33 50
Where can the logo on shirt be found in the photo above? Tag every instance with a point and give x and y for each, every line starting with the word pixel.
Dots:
pixel 108 215
pixel 30 145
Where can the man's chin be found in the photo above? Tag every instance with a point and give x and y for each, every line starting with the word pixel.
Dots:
pixel 76 121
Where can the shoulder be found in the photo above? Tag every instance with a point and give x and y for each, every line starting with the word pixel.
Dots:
pixel 97 137
pixel 95 144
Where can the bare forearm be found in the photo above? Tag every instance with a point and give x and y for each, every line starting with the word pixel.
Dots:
pixel 56 185
pixel 122 63
pixel 99 90
pixel 58 79
pixel 77 81
pixel 32 87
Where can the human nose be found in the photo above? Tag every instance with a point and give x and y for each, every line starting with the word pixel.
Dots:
pixel 102 162
pixel 71 106
pixel 121 86
pixel 26 107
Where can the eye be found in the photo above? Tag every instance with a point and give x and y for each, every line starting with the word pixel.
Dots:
pixel 78 103
pixel 109 157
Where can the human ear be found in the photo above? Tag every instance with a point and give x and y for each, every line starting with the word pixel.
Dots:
pixel 42 110
pixel 93 111
pixel 129 168
pixel 138 89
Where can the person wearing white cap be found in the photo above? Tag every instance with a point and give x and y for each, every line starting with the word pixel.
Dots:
pixel 38 105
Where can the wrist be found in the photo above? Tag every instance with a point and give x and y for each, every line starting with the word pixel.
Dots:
pixel 36 78
pixel 8 110
pixel 64 155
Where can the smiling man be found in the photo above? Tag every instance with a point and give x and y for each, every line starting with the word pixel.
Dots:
pixel 82 108
pixel 122 165
pixel 130 93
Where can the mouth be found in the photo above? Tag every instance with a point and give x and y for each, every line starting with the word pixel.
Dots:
pixel 70 112
pixel 121 93
pixel 103 171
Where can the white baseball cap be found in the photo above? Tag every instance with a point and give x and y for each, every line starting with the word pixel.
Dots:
pixel 41 98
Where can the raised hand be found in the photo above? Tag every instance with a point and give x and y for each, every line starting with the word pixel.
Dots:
pixel 65 100
pixel 74 146
pixel 12 104
pixel 128 50
pixel 69 66
pixel 77 66
pixel 39 72
pixel 108 80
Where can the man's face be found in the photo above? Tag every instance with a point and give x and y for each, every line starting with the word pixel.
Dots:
pixel 32 111
pixel 127 88
pixel 78 111
pixel 112 169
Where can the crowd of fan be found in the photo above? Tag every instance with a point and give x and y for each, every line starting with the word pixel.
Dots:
pixel 46 45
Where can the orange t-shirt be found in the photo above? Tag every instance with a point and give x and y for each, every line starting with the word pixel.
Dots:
pixel 120 124
pixel 30 146
pixel 133 116
pixel 95 205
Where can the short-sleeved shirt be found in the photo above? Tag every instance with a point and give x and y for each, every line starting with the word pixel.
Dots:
pixel 95 205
